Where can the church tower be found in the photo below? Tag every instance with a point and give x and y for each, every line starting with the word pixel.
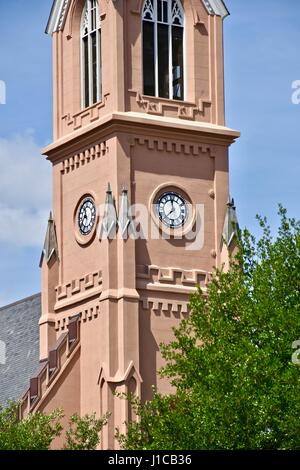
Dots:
pixel 140 195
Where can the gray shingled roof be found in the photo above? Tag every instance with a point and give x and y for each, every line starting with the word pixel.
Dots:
pixel 19 346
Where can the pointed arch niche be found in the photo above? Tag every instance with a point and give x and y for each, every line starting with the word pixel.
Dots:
pixel 84 29
pixel 191 99
pixel 79 100
pixel 163 48
pixel 90 45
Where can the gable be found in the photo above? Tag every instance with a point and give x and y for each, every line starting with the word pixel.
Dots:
pixel 216 7
pixel 60 8
pixel 57 15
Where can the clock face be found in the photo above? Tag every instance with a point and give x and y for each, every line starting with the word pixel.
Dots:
pixel 86 216
pixel 172 209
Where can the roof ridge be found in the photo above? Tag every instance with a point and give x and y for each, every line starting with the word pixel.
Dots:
pixel 26 299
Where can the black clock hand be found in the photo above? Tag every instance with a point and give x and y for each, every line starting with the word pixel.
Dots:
pixel 173 209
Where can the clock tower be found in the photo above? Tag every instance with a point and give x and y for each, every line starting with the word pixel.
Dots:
pixel 140 195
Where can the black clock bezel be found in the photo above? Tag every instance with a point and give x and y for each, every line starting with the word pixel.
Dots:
pixel 180 196
pixel 80 207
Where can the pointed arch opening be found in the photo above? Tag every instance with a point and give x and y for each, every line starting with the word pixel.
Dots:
pixel 163 48
pixel 91 67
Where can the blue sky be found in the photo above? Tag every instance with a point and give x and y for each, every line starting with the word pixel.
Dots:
pixel 262 60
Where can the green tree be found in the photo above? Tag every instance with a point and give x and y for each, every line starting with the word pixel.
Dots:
pixel 230 361
pixel 84 432
pixel 38 430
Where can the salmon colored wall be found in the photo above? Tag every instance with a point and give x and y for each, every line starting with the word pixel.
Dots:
pixel 64 394
pixel 122 67
pixel 130 294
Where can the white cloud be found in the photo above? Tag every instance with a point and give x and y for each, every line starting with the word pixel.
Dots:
pixel 25 191
pixel 22 227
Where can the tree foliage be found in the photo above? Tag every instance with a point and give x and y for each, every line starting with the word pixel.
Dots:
pixel 38 430
pixel 230 361
pixel 84 432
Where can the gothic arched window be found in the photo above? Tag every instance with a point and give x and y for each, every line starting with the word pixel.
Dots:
pixel 163 61
pixel 91 54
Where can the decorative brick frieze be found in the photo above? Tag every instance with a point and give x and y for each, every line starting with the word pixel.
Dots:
pixel 173 281
pixel 84 157
pixel 71 123
pixel 86 314
pixel 160 306
pixel 171 146
pixel 78 289
pixel 160 107
pixel 156 275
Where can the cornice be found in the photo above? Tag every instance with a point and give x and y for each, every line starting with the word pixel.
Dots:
pixel 134 123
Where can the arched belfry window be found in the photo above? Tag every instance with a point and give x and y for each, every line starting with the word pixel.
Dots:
pixel 163 60
pixel 91 54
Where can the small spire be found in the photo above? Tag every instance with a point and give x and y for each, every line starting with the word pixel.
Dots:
pixel 109 221
pixel 231 225
pixel 230 203
pixel 50 245
pixel 124 222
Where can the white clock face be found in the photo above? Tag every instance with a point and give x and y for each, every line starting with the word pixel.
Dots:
pixel 86 216
pixel 172 209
